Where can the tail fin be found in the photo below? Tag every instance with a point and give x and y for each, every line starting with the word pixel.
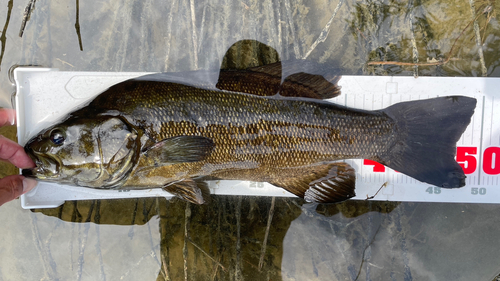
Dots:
pixel 427 133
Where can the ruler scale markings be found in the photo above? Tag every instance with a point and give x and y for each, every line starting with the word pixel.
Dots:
pixel 405 190
pixel 491 134
pixel 491 127
pixel 364 98
pixel 481 143
pixel 472 128
pixel 363 106
pixel 470 179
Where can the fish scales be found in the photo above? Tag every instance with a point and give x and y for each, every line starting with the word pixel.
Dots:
pixel 273 131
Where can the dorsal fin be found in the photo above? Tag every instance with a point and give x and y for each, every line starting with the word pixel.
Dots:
pixel 251 67
pixel 304 78
pixel 309 86
pixel 260 81
pixel 254 68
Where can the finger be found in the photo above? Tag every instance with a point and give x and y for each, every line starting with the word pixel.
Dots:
pixel 7 117
pixel 12 187
pixel 14 153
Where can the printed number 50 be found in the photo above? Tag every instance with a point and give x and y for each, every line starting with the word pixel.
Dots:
pixel 476 190
pixel 466 159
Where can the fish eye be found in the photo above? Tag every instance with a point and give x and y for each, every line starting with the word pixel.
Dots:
pixel 57 137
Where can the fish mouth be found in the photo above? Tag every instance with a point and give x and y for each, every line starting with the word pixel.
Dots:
pixel 46 167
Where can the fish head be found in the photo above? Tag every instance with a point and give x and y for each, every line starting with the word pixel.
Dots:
pixel 96 152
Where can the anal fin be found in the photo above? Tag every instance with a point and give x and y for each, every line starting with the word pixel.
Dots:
pixel 196 192
pixel 328 183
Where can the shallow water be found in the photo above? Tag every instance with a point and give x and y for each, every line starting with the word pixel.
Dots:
pixel 226 240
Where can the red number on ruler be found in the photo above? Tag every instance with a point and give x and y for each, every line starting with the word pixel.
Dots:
pixel 377 167
pixel 466 160
pixel 490 166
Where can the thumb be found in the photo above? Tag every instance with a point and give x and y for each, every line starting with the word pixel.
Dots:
pixel 12 187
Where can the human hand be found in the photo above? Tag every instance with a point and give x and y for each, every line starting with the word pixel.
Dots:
pixel 13 186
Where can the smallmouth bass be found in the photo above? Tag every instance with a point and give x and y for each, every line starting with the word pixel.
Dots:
pixel 147 133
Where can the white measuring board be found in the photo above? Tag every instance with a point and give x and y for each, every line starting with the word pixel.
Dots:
pixel 44 95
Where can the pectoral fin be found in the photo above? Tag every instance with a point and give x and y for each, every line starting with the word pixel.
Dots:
pixel 327 183
pixel 180 149
pixel 190 190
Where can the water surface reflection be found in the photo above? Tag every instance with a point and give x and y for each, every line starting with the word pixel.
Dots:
pixel 355 240
pixel 226 240
pixel 143 239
